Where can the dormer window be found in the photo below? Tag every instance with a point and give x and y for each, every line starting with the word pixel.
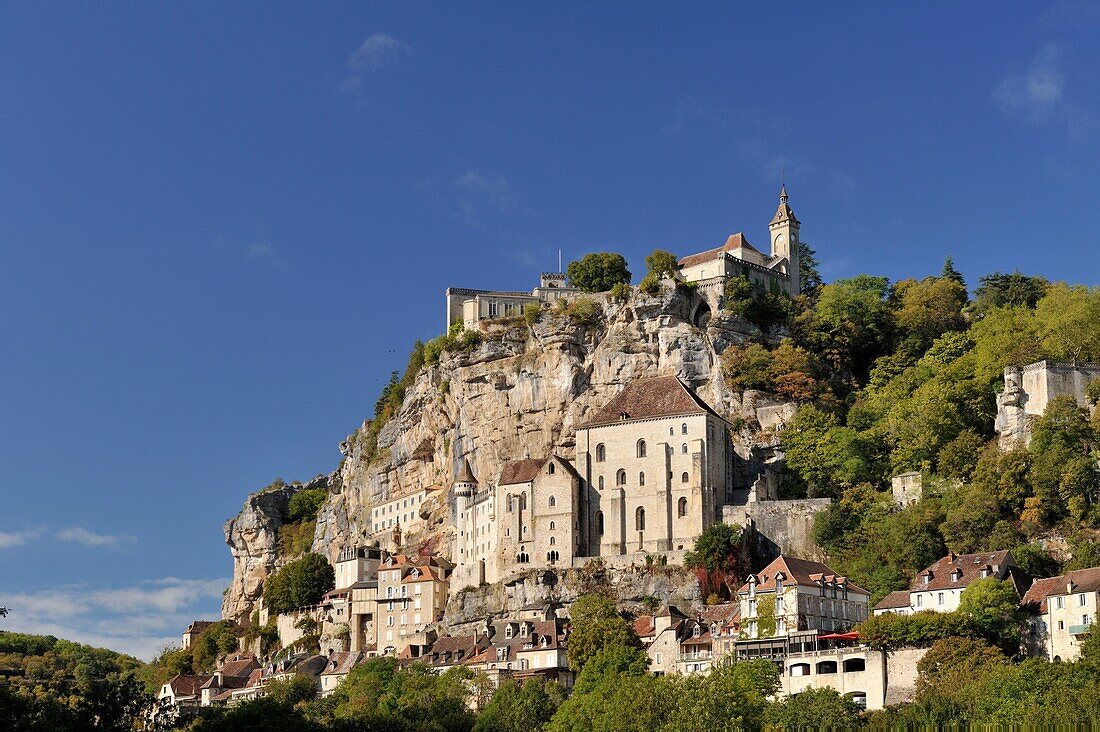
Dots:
pixel 928 578
pixel 508 632
pixel 957 574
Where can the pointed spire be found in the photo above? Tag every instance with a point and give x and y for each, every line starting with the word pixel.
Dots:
pixel 466 475
pixel 784 212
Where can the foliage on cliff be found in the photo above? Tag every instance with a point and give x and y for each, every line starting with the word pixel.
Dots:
pixel 300 583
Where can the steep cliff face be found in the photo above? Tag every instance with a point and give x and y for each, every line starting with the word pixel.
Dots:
pixel 520 393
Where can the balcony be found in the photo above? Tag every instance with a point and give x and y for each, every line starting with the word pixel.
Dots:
pixel 697 656
pixel 1079 629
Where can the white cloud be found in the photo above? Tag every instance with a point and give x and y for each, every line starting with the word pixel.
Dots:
pixel 1037 91
pixel 9 539
pixel 88 538
pixel 140 619
pixel 259 251
pixel 378 51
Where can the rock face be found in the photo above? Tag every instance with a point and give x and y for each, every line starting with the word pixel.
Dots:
pixel 520 393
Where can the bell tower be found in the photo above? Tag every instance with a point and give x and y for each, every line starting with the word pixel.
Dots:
pixel 784 236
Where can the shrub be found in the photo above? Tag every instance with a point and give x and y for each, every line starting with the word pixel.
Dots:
pixel 621 292
pixel 531 312
pixel 662 264
pixel 650 285
pixel 305 504
pixel 585 311
pixel 300 583
pixel 295 539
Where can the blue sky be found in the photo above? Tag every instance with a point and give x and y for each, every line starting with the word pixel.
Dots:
pixel 221 226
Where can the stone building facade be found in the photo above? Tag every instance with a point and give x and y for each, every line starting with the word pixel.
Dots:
pixel 1062 610
pixel 777 271
pixel 791 595
pixel 656 462
pixel 1029 389
pixel 939 587
pixel 469 307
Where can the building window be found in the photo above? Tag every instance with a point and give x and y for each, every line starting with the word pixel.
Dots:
pixel 1059 603
pixel 639 519
pixel 552 502
pixel 682 506
pixel 939 599
pixel 641 478
pixel 800 669
pixel 601 483
pixel 826 667
pixel 684 428
pixel 552 541
pixel 684 478
pixel 492 308
pixel 551 528
pixel 550 470
pixel 601 453
pixel 920 600
pixel 684 448
pixel 620 477
pixel 599 523
pixel 1081 600
pixel 641 448
pixel 854 664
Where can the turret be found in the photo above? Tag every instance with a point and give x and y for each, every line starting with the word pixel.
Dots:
pixel 464 488
pixel 784 236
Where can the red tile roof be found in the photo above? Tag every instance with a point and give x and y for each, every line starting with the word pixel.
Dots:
pixel 661 396
pixel 734 242
pixel 1084 580
pixel 520 471
pixel 957 571
pixel 896 599
pixel 239 667
pixel 804 571
pixel 644 626
pixel 342 662
pixel 187 684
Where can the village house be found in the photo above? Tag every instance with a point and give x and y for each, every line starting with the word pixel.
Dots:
pixel 777 271
pixel 660 636
pixel 181 695
pixel 402 512
pixel 792 594
pixel 657 462
pixel 194 630
pixel 1061 611
pixel 939 587
pixel 340 664
pixel 469 307
pixel 411 595
pixel 233 674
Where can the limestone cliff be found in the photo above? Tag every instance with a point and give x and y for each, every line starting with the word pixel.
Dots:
pixel 521 392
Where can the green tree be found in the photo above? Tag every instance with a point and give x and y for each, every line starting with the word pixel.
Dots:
pixel 516 708
pixel 216 641
pixel 717 548
pixel 597 624
pixel 598 272
pixel 929 308
pixel 1008 290
pixel 301 582
pixel 809 273
pixel 305 504
pixel 662 264
pixel 950 273
pixel 818 709
pixel 992 606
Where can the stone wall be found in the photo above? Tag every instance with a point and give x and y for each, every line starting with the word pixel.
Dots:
pixel 780 527
pixel 1029 389
pixel 901 674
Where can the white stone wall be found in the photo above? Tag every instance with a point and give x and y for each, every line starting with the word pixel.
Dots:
pixel 674 511
pixel 1068 616
pixel 866 676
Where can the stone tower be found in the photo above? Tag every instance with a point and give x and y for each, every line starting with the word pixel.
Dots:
pixel 784 235
pixel 464 488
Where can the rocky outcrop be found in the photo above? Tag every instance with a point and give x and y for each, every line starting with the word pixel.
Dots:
pixel 521 392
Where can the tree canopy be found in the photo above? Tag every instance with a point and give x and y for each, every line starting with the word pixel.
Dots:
pixel 598 272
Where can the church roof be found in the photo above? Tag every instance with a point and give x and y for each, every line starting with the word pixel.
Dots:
pixel 784 212
pixel 466 475
pixel 733 243
pixel 661 396
pixel 520 471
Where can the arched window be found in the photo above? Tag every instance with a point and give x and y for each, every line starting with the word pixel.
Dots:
pixel 553 501
pixel 826 667
pixel 682 507
pixel 641 478
pixel 522 501
pixel 800 669
pixel 684 478
pixel 620 477
pixel 552 541
pixel 854 664
pixel 552 556
pixel 552 528
pixel 599 522
pixel 639 519
pixel 684 428
pixel 684 448
pixel 641 448
pixel 671 431
pixel 550 470
pixel 601 483
pixel 601 453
